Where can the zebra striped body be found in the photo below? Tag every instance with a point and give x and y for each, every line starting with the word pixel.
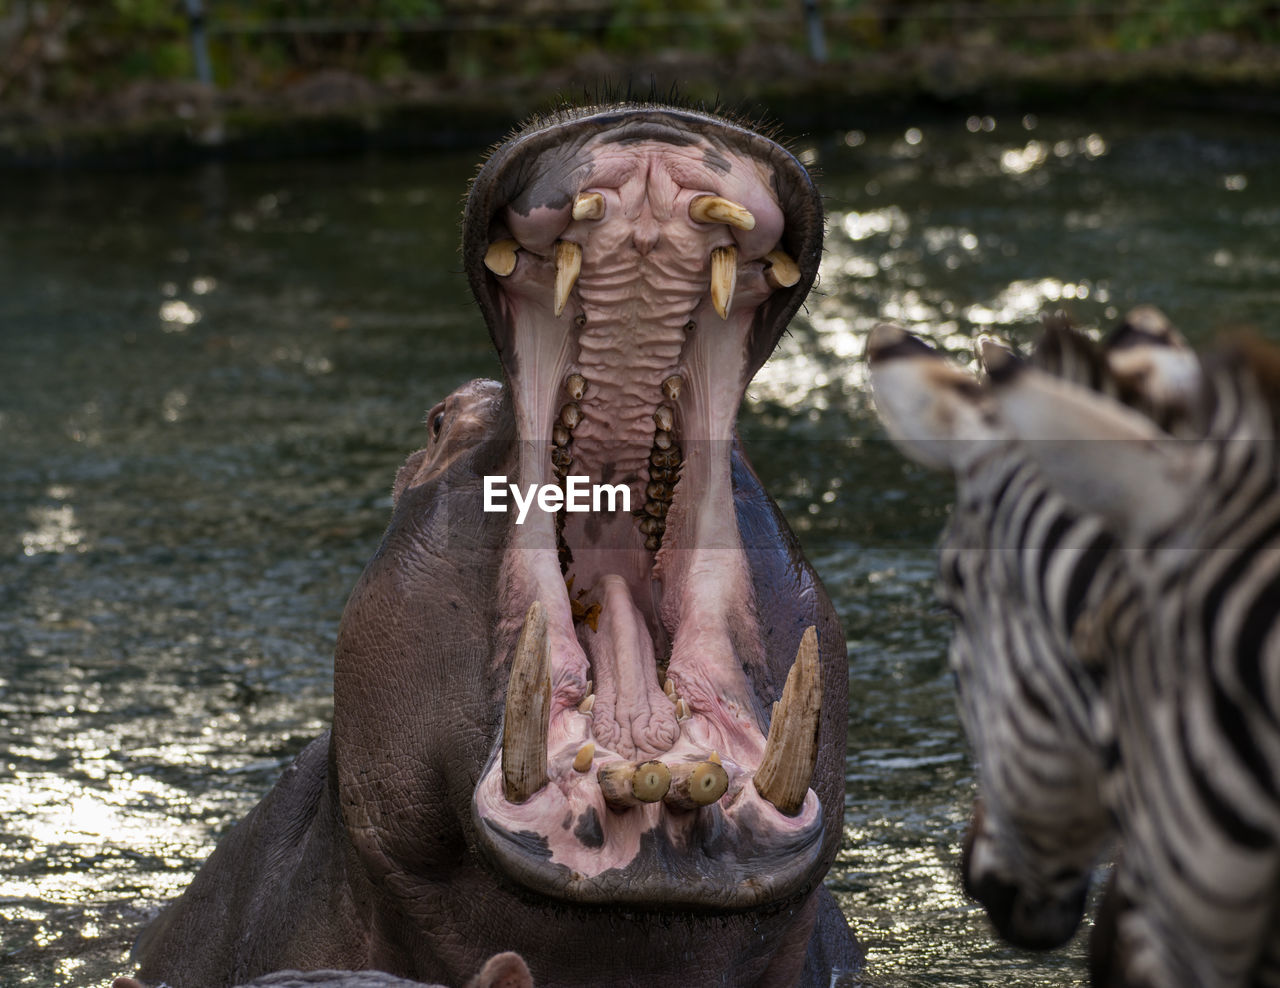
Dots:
pixel 1026 577
pixel 1193 774
pixel 1196 779
pixel 1165 660
pixel 1026 702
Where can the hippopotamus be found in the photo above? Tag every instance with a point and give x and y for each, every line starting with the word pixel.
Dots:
pixel 590 699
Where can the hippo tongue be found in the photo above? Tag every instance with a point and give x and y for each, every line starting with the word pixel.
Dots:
pixel 632 715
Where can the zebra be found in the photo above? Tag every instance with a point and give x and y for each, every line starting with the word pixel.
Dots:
pixel 1023 648
pixel 1192 764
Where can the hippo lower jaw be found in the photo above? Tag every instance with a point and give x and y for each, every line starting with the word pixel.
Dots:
pixel 635 270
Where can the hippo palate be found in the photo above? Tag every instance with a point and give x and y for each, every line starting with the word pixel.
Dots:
pixel 632 279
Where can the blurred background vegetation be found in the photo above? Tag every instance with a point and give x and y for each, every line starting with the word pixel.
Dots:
pixel 62 51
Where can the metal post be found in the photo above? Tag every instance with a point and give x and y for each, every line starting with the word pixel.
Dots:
pixel 199 41
pixel 813 21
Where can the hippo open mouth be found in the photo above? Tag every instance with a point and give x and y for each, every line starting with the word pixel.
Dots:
pixel 636 266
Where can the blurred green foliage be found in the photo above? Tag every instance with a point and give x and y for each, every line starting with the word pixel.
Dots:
pixel 63 50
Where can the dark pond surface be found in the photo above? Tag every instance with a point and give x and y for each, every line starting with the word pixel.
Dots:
pixel 209 378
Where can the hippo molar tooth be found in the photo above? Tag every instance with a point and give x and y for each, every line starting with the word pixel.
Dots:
pixel 575 386
pixel 528 710
pixel 588 206
pixel 568 267
pixel 791 751
pixel 717 209
pixel 671 386
pixel 664 418
pixel 724 278
pixel 570 415
pixel 500 258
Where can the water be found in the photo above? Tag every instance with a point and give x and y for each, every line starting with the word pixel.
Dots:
pixel 210 376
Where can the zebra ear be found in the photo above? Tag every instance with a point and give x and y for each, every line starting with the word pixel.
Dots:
pixel 1104 458
pixel 935 412
pixel 1153 366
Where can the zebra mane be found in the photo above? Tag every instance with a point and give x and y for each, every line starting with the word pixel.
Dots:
pixel 1069 355
pixel 1243 367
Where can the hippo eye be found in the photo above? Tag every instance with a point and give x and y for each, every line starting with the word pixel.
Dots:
pixel 437 423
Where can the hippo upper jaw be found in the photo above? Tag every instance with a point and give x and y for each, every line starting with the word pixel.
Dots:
pixel 635 268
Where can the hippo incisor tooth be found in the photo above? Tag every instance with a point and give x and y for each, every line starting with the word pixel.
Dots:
pixel 724 278
pixel 524 730
pixel 625 784
pixel 588 206
pixel 582 761
pixel 568 267
pixel 716 209
pixel 500 258
pixel 575 385
pixel 792 748
pixel 782 271
pixel 696 784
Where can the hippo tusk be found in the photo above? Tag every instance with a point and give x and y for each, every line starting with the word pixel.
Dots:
pixel 782 272
pixel 724 278
pixel 696 784
pixel 500 258
pixel 791 751
pixel 715 209
pixel 626 784
pixel 588 206
pixel 524 730
pixel 568 267
pixel 586 754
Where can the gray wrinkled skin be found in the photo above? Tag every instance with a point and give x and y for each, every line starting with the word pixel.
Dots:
pixel 378 847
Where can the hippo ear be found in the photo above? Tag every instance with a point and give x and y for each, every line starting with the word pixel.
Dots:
pixel 507 970
pixel 1103 457
pixel 935 412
